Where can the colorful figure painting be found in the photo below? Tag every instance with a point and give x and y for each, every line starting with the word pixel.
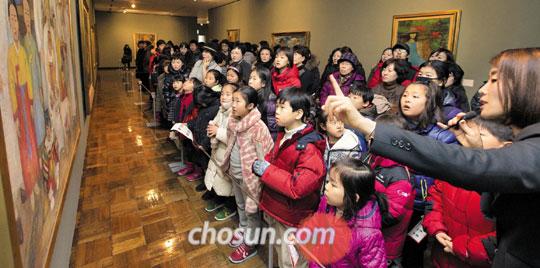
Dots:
pixel 290 39
pixel 426 32
pixel 40 112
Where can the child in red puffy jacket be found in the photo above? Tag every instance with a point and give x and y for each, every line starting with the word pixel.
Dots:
pixel 464 236
pixel 292 173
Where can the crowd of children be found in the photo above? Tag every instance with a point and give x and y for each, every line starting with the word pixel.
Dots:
pixel 264 150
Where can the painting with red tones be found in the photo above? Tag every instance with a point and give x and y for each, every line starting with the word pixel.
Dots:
pixel 40 120
pixel 425 32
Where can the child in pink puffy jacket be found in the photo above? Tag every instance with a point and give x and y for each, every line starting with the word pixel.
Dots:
pixel 350 194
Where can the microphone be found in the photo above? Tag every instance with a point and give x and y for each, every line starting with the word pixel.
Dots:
pixel 468 116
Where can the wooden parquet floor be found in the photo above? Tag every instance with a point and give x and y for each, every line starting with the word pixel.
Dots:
pixel 133 211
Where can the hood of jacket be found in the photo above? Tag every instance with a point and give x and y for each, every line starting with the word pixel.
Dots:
pixel 349 141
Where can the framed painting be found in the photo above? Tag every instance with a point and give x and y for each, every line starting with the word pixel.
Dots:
pixel 152 37
pixel 87 54
pixel 233 35
pixel 40 121
pixel 290 39
pixel 425 32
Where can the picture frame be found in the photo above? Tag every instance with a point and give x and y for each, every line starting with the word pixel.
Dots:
pixel 40 122
pixel 152 37
pixel 233 35
pixel 425 32
pixel 290 39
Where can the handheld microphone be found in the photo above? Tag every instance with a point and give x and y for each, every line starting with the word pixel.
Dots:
pixel 468 116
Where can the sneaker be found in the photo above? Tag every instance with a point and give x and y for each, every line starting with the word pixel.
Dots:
pixel 237 239
pixel 242 253
pixel 225 214
pixel 213 206
pixel 185 171
pixel 200 188
pixel 195 175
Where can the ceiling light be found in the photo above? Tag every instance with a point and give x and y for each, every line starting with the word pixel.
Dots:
pixel 125 11
pixel 133 6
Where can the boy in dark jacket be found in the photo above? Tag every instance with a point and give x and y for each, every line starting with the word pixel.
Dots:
pixel 292 173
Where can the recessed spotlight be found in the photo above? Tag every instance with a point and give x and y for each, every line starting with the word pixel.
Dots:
pixel 133 6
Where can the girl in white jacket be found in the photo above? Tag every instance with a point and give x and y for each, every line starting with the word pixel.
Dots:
pixel 219 187
pixel 340 142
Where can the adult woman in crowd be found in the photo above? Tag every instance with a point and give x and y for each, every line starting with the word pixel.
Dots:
pixel 332 65
pixel 511 173
pixel 237 60
pixel 265 58
pixel 308 70
pixel 392 73
pixel 210 57
pixel 127 57
pixel 375 75
pixel 345 76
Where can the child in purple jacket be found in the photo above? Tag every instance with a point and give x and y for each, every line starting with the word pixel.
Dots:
pixel 350 194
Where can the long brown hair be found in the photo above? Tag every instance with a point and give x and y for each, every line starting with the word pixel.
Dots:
pixel 519 85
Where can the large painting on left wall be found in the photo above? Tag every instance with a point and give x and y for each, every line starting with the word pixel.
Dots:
pixel 40 120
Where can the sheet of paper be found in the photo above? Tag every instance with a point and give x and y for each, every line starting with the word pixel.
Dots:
pixel 417 233
pixel 294 254
pixel 183 129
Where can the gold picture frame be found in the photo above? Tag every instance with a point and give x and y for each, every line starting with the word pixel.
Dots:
pixel 233 35
pixel 152 37
pixel 425 32
pixel 290 39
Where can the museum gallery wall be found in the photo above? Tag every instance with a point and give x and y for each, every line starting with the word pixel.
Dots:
pixel 40 107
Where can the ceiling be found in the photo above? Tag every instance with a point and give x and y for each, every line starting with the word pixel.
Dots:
pixel 191 8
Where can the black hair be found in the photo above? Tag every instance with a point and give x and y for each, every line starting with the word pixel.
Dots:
pixel 235 70
pixel 264 43
pixel 449 55
pixel 179 77
pixel 234 85
pixel 220 78
pixel 360 89
pixel 183 44
pixel 249 94
pixel 304 51
pixel 456 71
pixel 298 99
pixel 401 67
pixel 331 56
pixel 358 180
pixel 196 83
pixel 265 64
pixel 390 118
pixel 160 42
pixel 501 131
pixel 240 46
pixel 346 49
pixel 440 67
pixel 264 93
pixel 432 112
pixel 193 41
pixel 205 96
pixel 276 47
pixel 289 53
pixel 177 56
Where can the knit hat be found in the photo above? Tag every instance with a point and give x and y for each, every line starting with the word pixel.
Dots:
pixel 401 46
pixel 350 57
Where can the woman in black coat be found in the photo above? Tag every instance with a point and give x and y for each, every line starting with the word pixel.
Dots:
pixel 510 174
pixel 127 57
